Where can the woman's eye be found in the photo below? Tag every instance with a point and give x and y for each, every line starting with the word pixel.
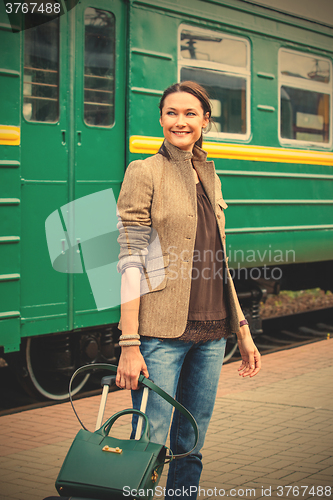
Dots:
pixel 190 113
pixel 170 113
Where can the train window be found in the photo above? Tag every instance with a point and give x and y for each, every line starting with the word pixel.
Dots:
pixel 216 48
pixel 305 98
pixel 221 64
pixel 303 66
pixel 41 71
pixel 99 67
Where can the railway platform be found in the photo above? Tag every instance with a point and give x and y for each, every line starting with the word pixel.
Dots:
pixel 270 436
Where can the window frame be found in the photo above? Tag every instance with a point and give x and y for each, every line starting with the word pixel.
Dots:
pixel 89 125
pixel 234 71
pixel 23 83
pixel 308 85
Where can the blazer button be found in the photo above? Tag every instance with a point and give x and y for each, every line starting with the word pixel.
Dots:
pixel 218 216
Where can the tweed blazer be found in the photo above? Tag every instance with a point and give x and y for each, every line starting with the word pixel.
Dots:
pixel 157 213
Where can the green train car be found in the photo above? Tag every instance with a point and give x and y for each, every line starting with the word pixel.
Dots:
pixel 79 100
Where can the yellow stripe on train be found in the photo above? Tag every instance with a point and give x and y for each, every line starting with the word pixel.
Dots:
pixel 9 135
pixel 150 145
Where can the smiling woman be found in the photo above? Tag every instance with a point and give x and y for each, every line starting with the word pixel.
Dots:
pixel 176 332
pixel 183 119
pixel 185 110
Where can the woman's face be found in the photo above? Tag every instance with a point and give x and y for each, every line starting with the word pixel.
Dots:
pixel 182 120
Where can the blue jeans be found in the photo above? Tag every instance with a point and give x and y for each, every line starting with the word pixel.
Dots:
pixel 190 372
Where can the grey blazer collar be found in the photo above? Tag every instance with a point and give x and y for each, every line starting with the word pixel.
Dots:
pixel 205 169
pixel 178 155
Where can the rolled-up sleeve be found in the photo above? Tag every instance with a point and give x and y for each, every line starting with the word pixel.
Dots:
pixel 134 215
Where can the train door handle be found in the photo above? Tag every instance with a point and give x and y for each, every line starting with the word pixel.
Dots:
pixel 63 135
pixel 79 143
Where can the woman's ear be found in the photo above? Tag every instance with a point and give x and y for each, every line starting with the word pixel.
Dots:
pixel 161 123
pixel 205 120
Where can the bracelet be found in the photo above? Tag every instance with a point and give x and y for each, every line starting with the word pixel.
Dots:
pixel 132 336
pixel 125 343
pixel 243 322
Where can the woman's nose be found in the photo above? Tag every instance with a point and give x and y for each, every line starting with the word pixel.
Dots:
pixel 181 122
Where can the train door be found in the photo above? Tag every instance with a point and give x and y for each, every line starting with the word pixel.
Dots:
pixel 99 137
pixel 44 170
pixel 73 145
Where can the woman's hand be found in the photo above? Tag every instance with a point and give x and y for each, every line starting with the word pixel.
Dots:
pixel 251 359
pixel 131 365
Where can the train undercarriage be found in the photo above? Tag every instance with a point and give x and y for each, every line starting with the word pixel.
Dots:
pixel 45 363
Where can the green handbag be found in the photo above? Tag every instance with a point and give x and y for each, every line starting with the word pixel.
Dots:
pixel 102 467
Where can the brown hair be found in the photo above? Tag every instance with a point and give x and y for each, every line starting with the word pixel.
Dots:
pixel 197 91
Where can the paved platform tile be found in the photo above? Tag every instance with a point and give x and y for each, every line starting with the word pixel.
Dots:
pixel 264 432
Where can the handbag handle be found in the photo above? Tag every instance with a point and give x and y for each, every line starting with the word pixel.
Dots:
pixel 148 383
pixel 105 429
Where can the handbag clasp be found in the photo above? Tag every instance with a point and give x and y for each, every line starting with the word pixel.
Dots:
pixel 112 450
